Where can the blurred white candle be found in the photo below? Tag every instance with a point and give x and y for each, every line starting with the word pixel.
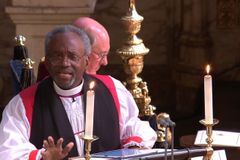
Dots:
pixel 89 111
pixel 208 96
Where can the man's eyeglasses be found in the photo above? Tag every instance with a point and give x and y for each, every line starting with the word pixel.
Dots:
pixel 58 58
pixel 101 55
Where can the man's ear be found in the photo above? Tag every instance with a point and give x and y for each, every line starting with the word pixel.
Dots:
pixel 46 64
pixel 87 60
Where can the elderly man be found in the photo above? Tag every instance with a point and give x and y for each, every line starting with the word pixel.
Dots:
pixel 100 43
pixel 46 119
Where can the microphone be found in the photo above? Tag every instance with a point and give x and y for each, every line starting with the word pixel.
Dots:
pixel 170 122
pixel 164 120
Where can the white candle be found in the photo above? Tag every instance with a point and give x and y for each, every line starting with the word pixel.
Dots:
pixel 208 97
pixel 89 111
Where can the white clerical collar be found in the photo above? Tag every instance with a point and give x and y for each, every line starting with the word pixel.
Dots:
pixel 70 92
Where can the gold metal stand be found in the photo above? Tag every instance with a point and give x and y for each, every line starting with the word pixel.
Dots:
pixel 88 145
pixel 132 54
pixel 209 138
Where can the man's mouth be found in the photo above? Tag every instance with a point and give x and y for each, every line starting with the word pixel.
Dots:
pixel 63 75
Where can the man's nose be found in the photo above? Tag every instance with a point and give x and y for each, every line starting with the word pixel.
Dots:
pixel 104 61
pixel 66 61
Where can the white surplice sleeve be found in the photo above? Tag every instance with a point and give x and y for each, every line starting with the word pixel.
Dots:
pixel 15 133
pixel 133 131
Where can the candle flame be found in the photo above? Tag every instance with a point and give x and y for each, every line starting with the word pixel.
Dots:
pixel 91 85
pixel 208 69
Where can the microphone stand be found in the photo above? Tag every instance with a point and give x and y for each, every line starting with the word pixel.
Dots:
pixel 172 142
pixel 164 120
pixel 166 142
pixel 167 123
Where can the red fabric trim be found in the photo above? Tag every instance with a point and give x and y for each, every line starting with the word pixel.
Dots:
pixel 33 155
pixel 28 97
pixel 130 139
pixel 110 85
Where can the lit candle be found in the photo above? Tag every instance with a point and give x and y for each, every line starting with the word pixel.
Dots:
pixel 89 111
pixel 208 96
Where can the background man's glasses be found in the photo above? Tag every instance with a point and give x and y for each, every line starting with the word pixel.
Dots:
pixel 101 55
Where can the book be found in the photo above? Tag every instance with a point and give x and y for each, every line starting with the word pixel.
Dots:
pixel 126 153
pixel 220 138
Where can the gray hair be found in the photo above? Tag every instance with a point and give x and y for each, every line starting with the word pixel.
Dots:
pixel 69 28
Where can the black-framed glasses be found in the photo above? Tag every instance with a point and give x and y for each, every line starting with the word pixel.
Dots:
pixel 58 58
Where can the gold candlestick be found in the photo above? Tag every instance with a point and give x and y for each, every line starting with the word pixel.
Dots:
pixel 209 138
pixel 88 145
pixel 132 54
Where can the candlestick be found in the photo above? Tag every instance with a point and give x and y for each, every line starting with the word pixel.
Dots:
pixel 89 111
pixel 88 145
pixel 209 138
pixel 208 96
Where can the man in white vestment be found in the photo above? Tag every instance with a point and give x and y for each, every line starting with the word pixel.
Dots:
pixel 45 120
